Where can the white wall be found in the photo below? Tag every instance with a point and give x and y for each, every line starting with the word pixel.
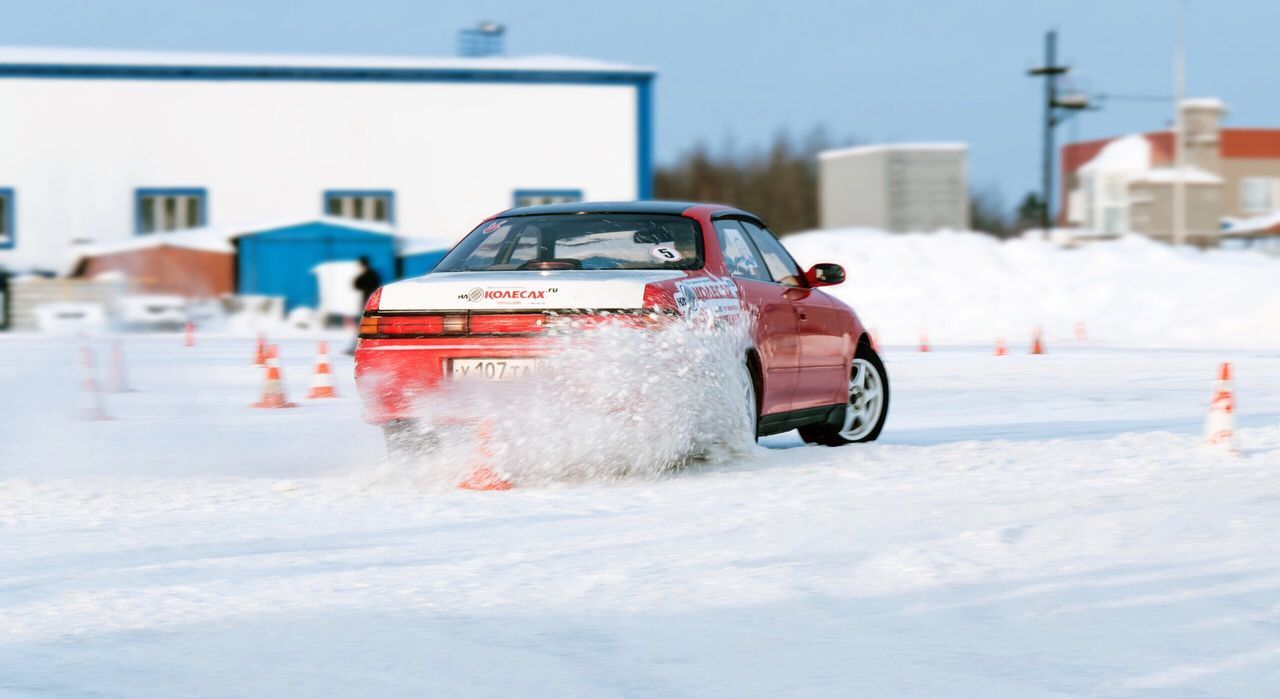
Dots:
pixel 928 189
pixel 899 188
pixel 74 150
pixel 852 190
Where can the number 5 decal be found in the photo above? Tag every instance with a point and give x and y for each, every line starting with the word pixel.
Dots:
pixel 666 253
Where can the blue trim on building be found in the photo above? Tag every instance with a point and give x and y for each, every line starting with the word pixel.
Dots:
pixel 644 139
pixel 515 196
pixel 199 192
pixel 10 222
pixel 641 80
pixel 90 71
pixel 390 194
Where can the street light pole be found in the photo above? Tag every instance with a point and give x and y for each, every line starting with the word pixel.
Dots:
pixel 1054 107
pixel 1050 95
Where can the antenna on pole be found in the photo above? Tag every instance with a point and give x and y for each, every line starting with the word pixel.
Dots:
pixel 1056 110
pixel 1179 127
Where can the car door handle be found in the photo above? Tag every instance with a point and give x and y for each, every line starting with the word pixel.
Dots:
pixel 802 314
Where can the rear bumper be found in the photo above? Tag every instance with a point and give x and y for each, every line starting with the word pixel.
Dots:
pixel 394 375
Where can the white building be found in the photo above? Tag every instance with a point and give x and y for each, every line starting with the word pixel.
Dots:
pixel 1101 202
pixel 102 145
pixel 897 187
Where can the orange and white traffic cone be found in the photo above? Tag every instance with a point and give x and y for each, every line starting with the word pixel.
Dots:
pixel 483 477
pixel 117 374
pixel 1220 426
pixel 92 408
pixel 1037 341
pixel 189 334
pixel 1001 350
pixel 1081 334
pixel 924 341
pixel 260 354
pixel 321 380
pixel 273 386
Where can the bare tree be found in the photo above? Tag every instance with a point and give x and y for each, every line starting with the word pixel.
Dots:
pixel 987 213
pixel 779 183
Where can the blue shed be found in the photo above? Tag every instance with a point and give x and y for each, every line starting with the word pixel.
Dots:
pixel 279 261
pixel 420 256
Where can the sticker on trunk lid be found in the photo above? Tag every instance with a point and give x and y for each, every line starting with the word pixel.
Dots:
pixel 713 295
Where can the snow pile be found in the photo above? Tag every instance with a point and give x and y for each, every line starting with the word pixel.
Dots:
pixel 1130 153
pixel 962 287
pixel 615 401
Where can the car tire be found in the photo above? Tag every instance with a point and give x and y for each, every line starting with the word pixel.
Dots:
pixel 751 402
pixel 405 440
pixel 867 406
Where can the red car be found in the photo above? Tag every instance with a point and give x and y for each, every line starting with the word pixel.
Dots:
pixel 482 312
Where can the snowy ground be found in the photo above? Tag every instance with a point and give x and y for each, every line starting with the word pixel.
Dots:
pixel 1027 527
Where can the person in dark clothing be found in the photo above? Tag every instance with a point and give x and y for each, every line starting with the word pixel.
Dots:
pixel 368 280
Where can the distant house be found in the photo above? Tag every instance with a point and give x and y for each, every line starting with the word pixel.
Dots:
pixel 267 259
pixel 897 187
pixel 1126 184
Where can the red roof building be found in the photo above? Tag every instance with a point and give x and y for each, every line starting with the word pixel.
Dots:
pixel 1119 185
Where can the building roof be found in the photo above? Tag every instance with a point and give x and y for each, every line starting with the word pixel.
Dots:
pixel 1250 143
pixel 1165 175
pixel 216 238
pixel 1130 152
pixel 1076 155
pixel 1203 103
pixel 74 62
pixel 881 147
pixel 1234 143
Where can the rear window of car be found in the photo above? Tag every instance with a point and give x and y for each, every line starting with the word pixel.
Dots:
pixel 579 241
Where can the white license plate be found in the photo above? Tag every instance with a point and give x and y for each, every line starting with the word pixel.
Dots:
pixel 490 369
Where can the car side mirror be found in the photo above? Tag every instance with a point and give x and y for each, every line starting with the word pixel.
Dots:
pixel 825 274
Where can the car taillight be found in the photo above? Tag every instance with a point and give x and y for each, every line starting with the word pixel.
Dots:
pixel 661 300
pixel 374 324
pixel 409 325
pixel 507 323
pixel 454 325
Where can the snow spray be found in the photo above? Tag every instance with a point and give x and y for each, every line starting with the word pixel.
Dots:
pixel 606 402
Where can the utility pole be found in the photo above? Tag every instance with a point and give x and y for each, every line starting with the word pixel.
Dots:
pixel 1056 110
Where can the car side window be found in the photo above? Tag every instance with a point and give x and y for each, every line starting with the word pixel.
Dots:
pixel 739 257
pixel 782 268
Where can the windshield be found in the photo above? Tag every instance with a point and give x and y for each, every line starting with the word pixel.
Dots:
pixel 579 241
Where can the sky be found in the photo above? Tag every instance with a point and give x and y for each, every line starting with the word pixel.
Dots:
pixel 740 71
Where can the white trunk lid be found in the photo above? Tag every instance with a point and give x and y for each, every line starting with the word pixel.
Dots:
pixel 598 289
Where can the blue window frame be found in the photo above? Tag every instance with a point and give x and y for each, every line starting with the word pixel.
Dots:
pixel 378 205
pixel 8 221
pixel 541 197
pixel 160 209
